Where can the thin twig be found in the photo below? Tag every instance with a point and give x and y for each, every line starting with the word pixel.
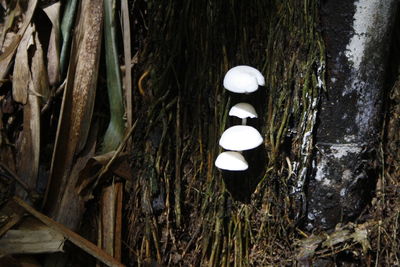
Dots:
pixel 17 213
pixel 58 91
pixel 16 178
pixel 118 151
pixel 73 237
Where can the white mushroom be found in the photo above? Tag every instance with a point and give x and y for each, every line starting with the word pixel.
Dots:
pixel 240 137
pixel 231 161
pixel 243 111
pixel 243 79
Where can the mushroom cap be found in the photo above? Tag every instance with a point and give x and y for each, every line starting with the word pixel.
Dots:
pixel 243 79
pixel 231 161
pixel 240 137
pixel 243 110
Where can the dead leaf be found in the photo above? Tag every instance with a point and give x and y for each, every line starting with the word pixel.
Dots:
pixel 346 234
pixel 53 52
pixel 28 145
pixel 40 83
pixel 76 239
pixel 119 167
pixel 72 203
pixel 31 237
pixel 9 52
pixel 360 236
pixel 77 105
pixel 112 162
pixel 9 38
pixel 127 57
pixel 13 10
pixel 21 74
pixel 110 222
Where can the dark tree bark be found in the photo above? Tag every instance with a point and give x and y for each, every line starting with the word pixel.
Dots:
pixel 357 37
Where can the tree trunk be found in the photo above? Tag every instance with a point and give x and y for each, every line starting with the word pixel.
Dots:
pixel 357 36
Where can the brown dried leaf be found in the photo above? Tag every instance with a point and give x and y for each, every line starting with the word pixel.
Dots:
pixel 28 146
pixel 40 83
pixel 9 52
pixel 21 74
pixel 119 167
pixel 13 11
pixel 110 223
pixel 72 203
pixel 9 38
pixel 31 237
pixel 349 233
pixel 53 52
pixel 76 239
pixel 77 106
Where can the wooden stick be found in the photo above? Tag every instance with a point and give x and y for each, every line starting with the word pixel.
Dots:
pixel 126 30
pixel 107 218
pixel 16 177
pixel 118 222
pixel 73 237
pixel 17 213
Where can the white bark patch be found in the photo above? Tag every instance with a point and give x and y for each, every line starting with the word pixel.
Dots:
pixel 340 151
pixel 370 25
pixel 321 175
pixel 343 192
pixel 347 175
pixel 337 153
pixel 319 78
pixel 370 16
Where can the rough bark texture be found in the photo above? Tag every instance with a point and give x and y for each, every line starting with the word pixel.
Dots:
pixel 357 35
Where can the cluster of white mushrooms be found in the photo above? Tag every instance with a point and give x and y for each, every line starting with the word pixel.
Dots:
pixel 242 80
